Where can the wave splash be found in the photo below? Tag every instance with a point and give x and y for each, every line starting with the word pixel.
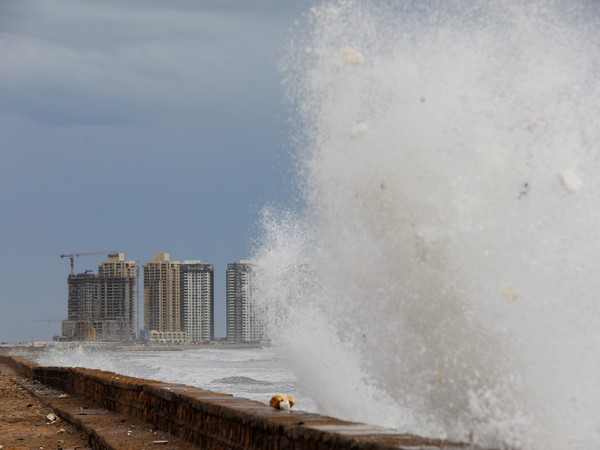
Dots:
pixel 241 380
pixel 440 279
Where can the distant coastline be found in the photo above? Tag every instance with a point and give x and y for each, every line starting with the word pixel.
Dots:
pixel 42 345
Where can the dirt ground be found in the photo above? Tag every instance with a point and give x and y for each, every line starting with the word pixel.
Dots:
pixel 24 423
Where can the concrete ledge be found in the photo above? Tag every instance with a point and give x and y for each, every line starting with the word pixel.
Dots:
pixel 207 419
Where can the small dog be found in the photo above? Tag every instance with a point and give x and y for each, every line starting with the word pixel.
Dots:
pixel 280 401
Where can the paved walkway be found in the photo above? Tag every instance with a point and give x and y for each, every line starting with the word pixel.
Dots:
pixel 35 416
pixel 25 422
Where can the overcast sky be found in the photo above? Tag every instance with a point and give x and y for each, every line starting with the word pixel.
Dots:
pixel 141 126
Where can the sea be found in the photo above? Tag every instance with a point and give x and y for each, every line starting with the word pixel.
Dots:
pixel 440 277
pixel 255 373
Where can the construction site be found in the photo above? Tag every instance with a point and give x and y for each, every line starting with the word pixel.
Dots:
pixel 102 306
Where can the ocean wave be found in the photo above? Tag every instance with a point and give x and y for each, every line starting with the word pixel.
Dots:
pixel 241 380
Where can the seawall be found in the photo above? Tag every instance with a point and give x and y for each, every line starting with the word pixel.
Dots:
pixel 210 420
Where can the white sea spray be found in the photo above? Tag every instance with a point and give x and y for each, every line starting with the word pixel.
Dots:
pixel 441 277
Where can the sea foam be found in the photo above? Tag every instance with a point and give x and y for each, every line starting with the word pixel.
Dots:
pixel 441 276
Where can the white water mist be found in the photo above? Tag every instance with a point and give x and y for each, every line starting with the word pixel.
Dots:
pixel 442 276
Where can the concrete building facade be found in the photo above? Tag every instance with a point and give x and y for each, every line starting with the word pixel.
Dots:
pixel 245 322
pixel 117 290
pixel 82 306
pixel 82 302
pixel 169 337
pixel 197 299
pixel 103 307
pixel 162 299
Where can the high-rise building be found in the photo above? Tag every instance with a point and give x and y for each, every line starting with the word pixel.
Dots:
pixel 197 300
pixel 162 299
pixel 82 303
pixel 82 306
pixel 245 321
pixel 103 307
pixel 117 280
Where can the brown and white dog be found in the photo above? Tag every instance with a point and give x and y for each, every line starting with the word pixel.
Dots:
pixel 280 401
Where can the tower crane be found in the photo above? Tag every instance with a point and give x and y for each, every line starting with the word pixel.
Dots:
pixel 72 256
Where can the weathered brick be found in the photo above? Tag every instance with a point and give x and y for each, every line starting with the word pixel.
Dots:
pixel 211 420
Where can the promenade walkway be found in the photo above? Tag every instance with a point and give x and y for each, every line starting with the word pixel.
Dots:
pixel 24 422
pixel 34 416
pixel 133 413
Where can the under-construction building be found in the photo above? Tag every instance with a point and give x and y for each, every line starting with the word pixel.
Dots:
pixel 245 321
pixel 117 290
pixel 103 307
pixel 82 307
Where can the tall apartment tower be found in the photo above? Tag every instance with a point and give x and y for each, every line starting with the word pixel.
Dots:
pixel 103 307
pixel 82 306
pixel 245 323
pixel 162 299
pixel 117 280
pixel 197 300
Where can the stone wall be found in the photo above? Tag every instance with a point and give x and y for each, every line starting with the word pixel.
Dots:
pixel 211 420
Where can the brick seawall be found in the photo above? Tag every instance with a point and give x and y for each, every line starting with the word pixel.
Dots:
pixel 210 420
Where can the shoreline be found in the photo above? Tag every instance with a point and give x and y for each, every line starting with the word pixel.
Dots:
pixel 42 345
pixel 117 411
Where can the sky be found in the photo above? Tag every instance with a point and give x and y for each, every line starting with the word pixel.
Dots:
pixel 142 126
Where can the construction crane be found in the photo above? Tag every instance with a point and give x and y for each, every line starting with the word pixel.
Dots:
pixel 72 256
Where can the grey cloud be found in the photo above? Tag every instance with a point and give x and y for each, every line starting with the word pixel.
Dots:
pixel 166 58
